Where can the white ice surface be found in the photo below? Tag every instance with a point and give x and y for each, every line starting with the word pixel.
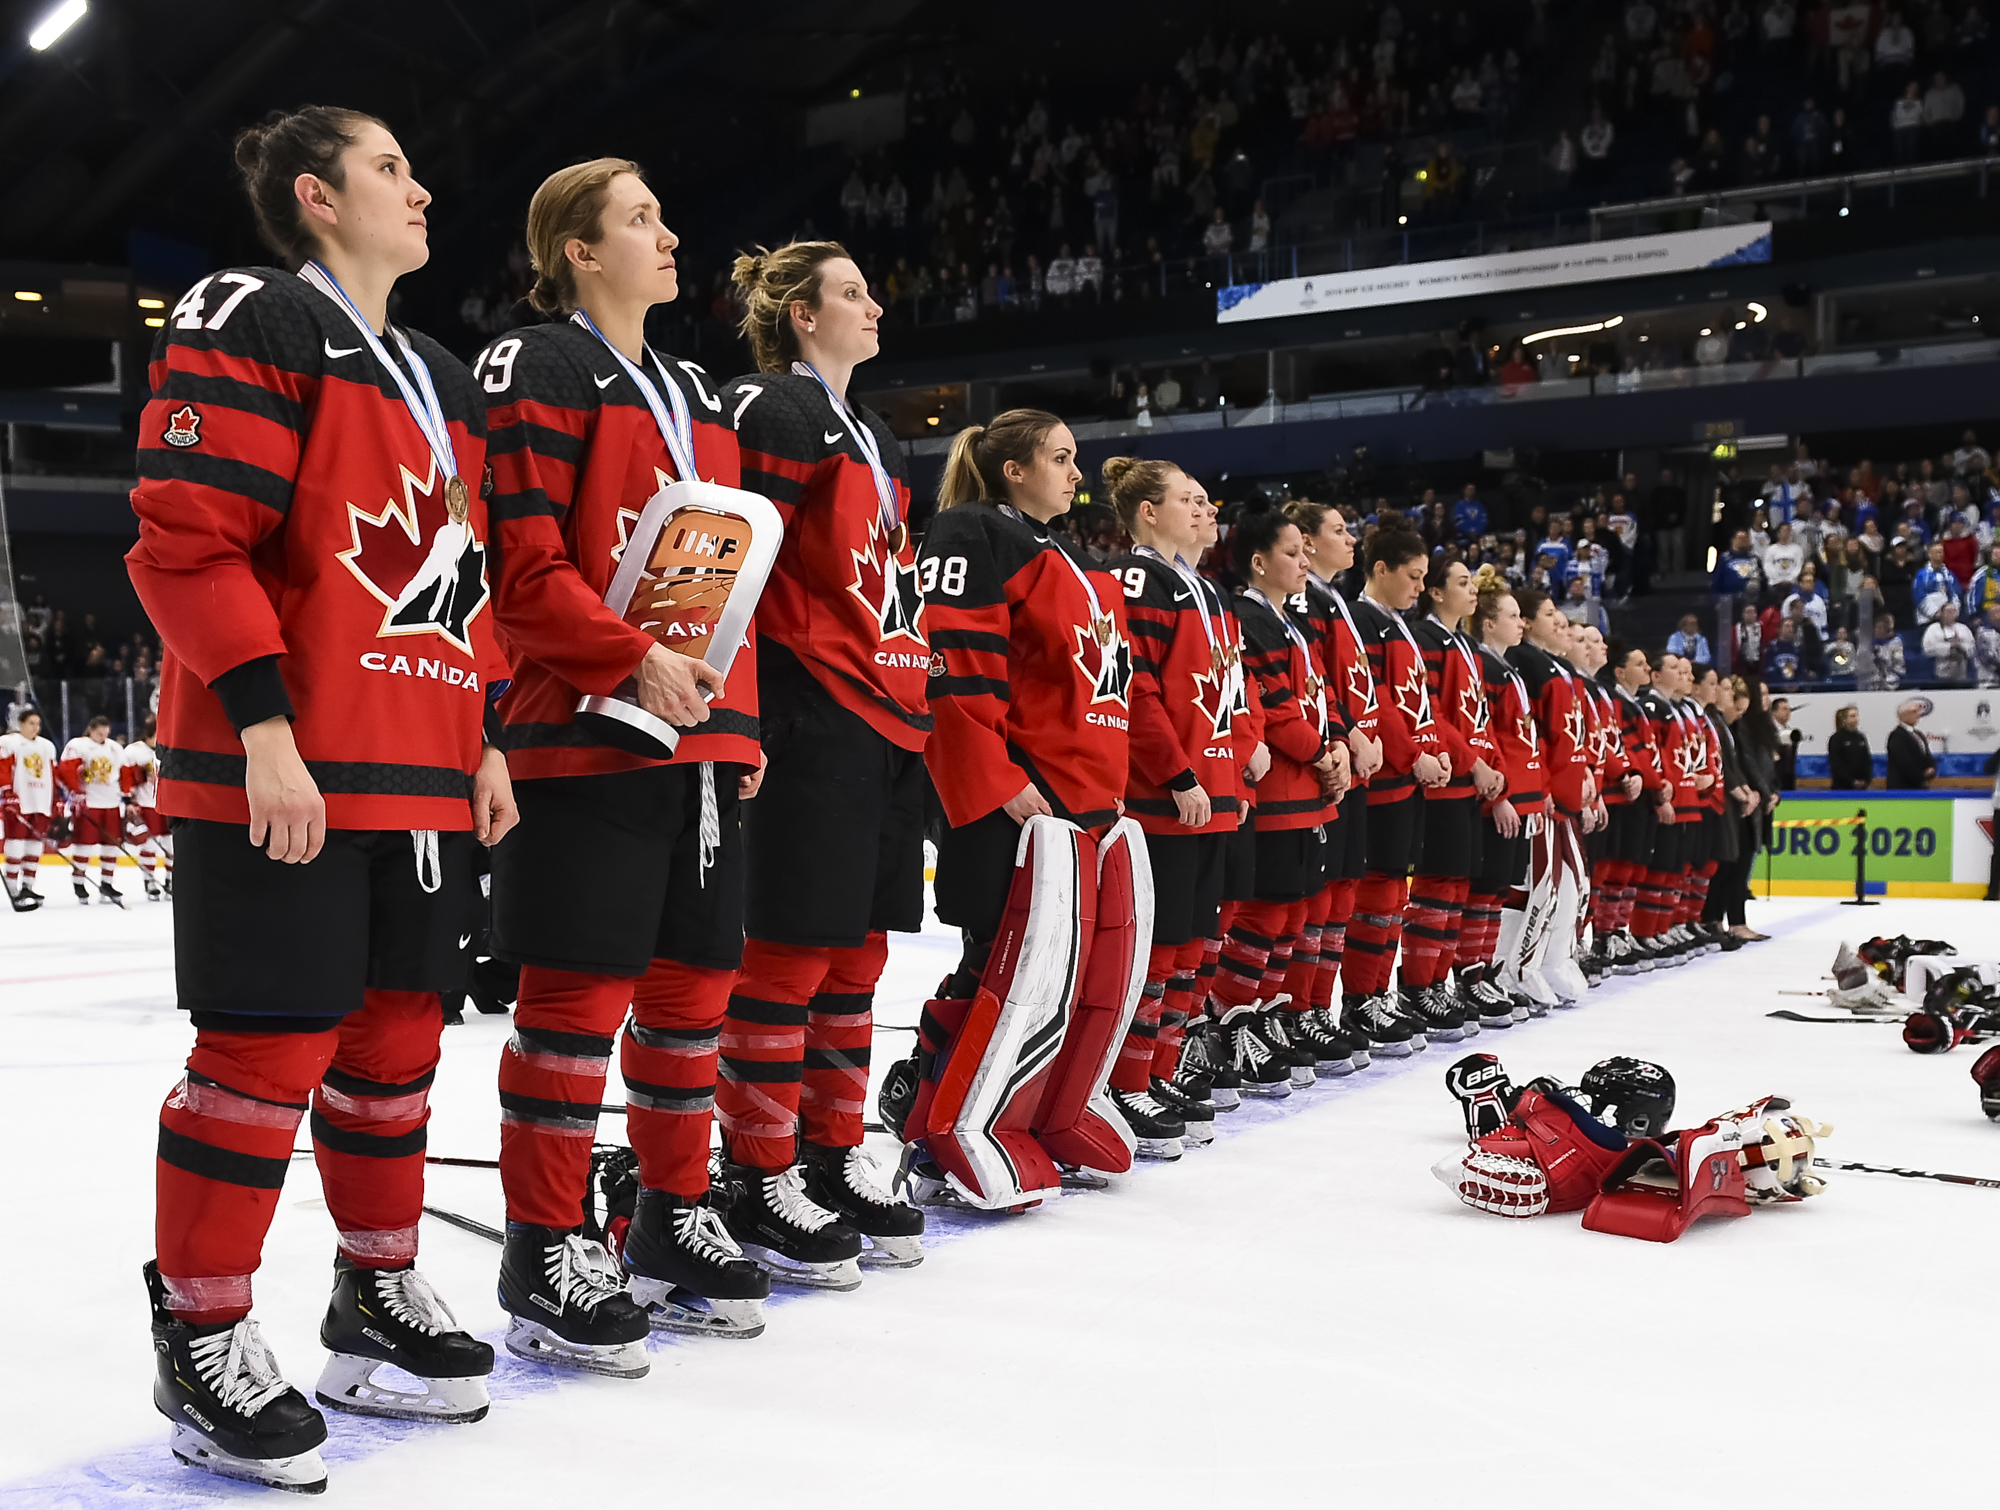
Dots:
pixel 1319 1320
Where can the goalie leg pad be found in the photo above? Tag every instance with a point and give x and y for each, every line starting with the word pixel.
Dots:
pixel 1077 1124
pixel 986 1081
pixel 1986 1072
pixel 1659 1190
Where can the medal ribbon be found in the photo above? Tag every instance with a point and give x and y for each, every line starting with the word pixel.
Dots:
pixel 1360 645
pixel 424 408
pixel 677 428
pixel 871 451
pixel 1298 643
pixel 1201 600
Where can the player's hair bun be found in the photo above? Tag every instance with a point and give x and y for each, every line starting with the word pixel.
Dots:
pixel 1116 467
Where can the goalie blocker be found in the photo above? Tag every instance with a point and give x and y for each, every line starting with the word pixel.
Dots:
pixel 1011 1082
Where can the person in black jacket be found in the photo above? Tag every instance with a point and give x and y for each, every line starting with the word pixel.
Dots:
pixel 1910 765
pixel 1789 740
pixel 1848 758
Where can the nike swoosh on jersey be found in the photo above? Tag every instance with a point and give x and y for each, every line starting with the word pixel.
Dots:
pixel 604 382
pixel 1182 597
pixel 834 436
pixel 464 939
pixel 334 352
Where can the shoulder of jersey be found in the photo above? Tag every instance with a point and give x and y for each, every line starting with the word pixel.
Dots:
pixel 1160 585
pixel 287 316
pixel 551 363
pixel 782 414
pixel 1010 543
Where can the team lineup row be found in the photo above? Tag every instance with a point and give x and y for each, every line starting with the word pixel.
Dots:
pixel 1176 827
pixel 110 807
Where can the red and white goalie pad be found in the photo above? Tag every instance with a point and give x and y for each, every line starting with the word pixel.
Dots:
pixel 1568 1150
pixel 1077 1123
pixel 1662 1188
pixel 989 1074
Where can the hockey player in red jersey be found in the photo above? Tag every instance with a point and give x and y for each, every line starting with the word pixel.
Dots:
pixel 1494 913
pixel 1272 1041
pixel 1186 789
pixel 315 548
pixel 27 802
pixel 834 842
pixel 587 422
pixel 1634 822
pixel 89 775
pixel 1031 688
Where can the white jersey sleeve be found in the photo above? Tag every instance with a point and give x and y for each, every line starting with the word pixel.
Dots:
pixel 97 763
pixel 139 756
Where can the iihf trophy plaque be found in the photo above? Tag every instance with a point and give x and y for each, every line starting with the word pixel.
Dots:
pixel 693 569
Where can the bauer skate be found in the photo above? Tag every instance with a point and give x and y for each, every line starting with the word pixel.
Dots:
pixel 797 1240
pixel 1160 1130
pixel 568 1304
pixel 847 1182
pixel 687 1272
pixel 1197 1117
pixel 391 1319
pixel 234 1415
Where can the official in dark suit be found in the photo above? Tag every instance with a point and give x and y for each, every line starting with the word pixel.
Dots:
pixel 1910 765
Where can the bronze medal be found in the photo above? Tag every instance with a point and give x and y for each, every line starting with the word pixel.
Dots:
pixel 1105 629
pixel 1216 659
pixel 457 501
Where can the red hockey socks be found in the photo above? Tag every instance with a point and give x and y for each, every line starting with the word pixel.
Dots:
pixel 225 1144
pixel 1373 933
pixel 1697 900
pixel 840 1036
pixel 1652 909
pixel 1333 939
pixel 1479 929
pixel 1303 975
pixel 551 1085
pixel 1178 1007
pixel 1246 950
pixel 1279 965
pixel 370 1122
pixel 666 1058
pixel 1431 923
pixel 763 1052
pixel 1132 1070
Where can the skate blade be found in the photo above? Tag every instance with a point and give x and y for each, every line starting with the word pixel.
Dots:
pixel 892 1252
pixel 1275 1090
pixel 302 1473
pixel 1392 1050
pixel 1303 1078
pixel 1085 1179
pixel 1201 1134
pixel 1471 1029
pixel 1443 1035
pixel 535 1343
pixel 1497 1020
pixel 669 1308
pixel 1165 1150
pixel 369 1387
pixel 1224 1098
pixel 842 1276
pixel 1333 1069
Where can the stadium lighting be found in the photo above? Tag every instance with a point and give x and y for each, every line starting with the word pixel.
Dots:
pixel 26 297
pixel 1757 311
pixel 1706 331
pixel 1843 212
pixel 1742 324
pixel 152 304
pixel 1574 330
pixel 154 322
pixel 931 420
pixel 55 23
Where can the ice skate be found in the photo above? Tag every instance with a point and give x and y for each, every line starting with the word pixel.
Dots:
pixel 1428 1006
pixel 233 1413
pixel 1276 1024
pixel 1197 1117
pixel 111 894
pixel 1205 1060
pixel 847 1182
pixel 797 1240
pixel 687 1272
pixel 1260 1068
pixel 82 893
pixel 1160 1131
pixel 1492 1005
pixel 153 892
pixel 1333 1052
pixel 1374 1020
pixel 568 1304
pixel 391 1319
pixel 22 899
pixel 1463 1007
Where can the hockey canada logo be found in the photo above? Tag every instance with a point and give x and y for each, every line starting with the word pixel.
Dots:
pixel 1104 656
pixel 427 569
pixel 1573 728
pixel 889 588
pixel 183 428
pixel 1215 696
pixel 1414 699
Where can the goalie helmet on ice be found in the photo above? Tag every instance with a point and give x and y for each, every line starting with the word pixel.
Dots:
pixel 1635 1096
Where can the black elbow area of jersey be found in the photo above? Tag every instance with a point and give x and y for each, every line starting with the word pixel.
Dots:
pixel 253 692
pixel 1187 781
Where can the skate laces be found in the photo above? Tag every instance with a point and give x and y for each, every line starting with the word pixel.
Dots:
pixel 787 1196
pixel 701 1231
pixel 413 1302
pixel 238 1368
pixel 1141 1102
pixel 582 1273
pixel 863 1176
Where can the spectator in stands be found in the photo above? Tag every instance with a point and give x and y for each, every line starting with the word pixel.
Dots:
pixel 1970 460
pixel 1906 123
pixel 1811 599
pixel 1896 577
pixel 1669 509
pixel 1785 654
pixel 1784 558
pixel 1468 515
pixel 1989 132
pixel 1809 133
pixel 1582 607
pixel 1849 761
pixel 1934 585
pixel 1944 113
pixel 1949 645
pixel 1984 591
pixel 1911 765
pixel 1747 638
pixel 1216 236
pixel 1739 570
pixel 1594 141
pixel 1886 667
pixel 1517 371
pixel 1986 647
pixel 1689 642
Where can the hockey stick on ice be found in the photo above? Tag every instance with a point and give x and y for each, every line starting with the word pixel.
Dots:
pixel 466 1224
pixel 1908 1174
pixel 1888 1017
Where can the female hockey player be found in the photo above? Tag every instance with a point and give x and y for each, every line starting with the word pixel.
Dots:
pixel 316 552
pixel 1186 787
pixel 27 801
pixel 1414 760
pixel 1032 694
pixel 833 845
pixel 1273 1041
pixel 586 422
pixel 1508 822
pixel 1449 854
pixel 1629 839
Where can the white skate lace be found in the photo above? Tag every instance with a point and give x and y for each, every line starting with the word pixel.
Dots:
pixel 238 1368
pixel 582 1273
pixel 411 1301
pixel 1250 1049
pixel 863 1176
pixel 1141 1102
pixel 701 1232
pixel 786 1195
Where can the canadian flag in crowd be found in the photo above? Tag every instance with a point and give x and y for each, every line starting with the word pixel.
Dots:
pixel 1848 23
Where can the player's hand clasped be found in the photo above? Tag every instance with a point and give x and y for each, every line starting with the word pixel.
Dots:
pixel 1192 807
pixel 493 809
pixel 1027 803
pixel 671 686
pixel 287 813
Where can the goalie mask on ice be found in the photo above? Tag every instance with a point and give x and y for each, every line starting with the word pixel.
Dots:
pixel 1012 1082
pixel 690 576
pixel 1552 1154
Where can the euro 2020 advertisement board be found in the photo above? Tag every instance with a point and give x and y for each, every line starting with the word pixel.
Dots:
pixel 1908 839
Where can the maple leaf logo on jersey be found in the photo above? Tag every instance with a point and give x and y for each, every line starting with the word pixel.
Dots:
pixel 888 587
pixel 1217 702
pixel 1472 707
pixel 1573 727
pixel 1412 700
pixel 183 427
pixel 629 517
pixel 1360 685
pixel 1104 656
pixel 1690 758
pixel 427 584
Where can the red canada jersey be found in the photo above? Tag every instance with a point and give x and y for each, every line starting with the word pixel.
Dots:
pixel 1284 670
pixel 1185 666
pixel 1458 692
pixel 1682 757
pixel 1563 722
pixel 1636 742
pixel 1407 719
pixel 1515 733
pixel 290 507
pixel 843 595
pixel 1344 654
pixel 1030 681
pixel 1607 742
pixel 575 453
